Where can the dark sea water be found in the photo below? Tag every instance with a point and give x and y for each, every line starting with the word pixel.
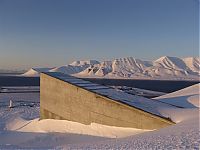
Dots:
pixel 155 85
pixel 13 80
pixel 166 86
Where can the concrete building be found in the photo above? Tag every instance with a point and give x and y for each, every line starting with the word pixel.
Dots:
pixel 66 97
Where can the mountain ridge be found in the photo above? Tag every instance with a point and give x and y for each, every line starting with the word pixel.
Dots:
pixel 165 67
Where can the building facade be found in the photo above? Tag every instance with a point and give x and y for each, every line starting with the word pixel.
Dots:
pixel 69 98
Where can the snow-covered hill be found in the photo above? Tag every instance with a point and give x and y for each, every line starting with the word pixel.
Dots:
pixel 35 72
pixel 163 68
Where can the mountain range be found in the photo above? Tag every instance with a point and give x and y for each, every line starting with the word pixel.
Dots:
pixel 166 67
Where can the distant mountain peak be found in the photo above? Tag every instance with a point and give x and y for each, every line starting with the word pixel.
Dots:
pixel 34 72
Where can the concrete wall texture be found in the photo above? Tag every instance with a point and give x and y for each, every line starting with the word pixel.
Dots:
pixel 62 100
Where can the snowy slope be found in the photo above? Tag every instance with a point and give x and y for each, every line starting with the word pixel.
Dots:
pixel 193 64
pixel 96 70
pixel 126 67
pixel 170 63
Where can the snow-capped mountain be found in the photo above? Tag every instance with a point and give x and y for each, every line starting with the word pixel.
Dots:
pixel 192 63
pixel 163 68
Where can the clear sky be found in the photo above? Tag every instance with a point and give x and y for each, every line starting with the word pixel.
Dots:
pixel 55 32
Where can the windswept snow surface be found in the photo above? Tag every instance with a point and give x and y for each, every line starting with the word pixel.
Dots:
pixel 20 128
pixel 166 67
pixel 184 136
pixel 64 126
pixel 187 98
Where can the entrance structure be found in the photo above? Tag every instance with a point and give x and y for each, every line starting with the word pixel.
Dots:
pixel 69 98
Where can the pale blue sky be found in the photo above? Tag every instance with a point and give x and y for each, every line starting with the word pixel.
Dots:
pixel 55 32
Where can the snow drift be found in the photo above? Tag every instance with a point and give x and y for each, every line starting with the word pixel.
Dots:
pixel 186 98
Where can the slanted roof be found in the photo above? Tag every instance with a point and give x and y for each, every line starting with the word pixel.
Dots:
pixel 144 104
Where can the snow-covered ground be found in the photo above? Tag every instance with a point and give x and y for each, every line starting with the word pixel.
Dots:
pixel 167 68
pixel 20 127
pixel 184 135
